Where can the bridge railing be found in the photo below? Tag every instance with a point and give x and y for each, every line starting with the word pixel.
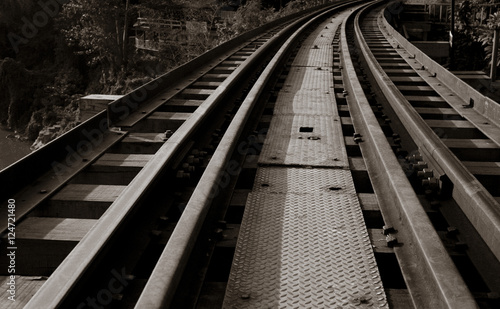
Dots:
pixel 482 104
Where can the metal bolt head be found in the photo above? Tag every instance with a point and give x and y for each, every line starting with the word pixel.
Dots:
pixel 421 165
pixel 431 182
pixel 387 229
pixel 415 158
pixel 391 240
pixel 425 173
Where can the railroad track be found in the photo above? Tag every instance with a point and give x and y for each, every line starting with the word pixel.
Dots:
pixel 144 204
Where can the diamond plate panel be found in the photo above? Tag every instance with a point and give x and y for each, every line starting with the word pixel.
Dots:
pixel 304 251
pixel 285 144
pixel 310 102
pixel 308 78
pixel 317 50
pixel 303 181
pixel 316 56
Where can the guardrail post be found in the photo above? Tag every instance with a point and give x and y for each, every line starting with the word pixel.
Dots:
pixel 494 56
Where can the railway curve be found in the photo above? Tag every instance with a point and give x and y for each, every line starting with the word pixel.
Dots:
pixel 320 161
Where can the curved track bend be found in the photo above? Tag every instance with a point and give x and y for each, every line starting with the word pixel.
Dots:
pixel 311 163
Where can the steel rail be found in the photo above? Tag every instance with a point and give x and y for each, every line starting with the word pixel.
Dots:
pixel 162 285
pixel 430 275
pixel 133 104
pixel 482 104
pixel 65 280
pixel 59 285
pixel 38 176
pixel 44 177
pixel 480 207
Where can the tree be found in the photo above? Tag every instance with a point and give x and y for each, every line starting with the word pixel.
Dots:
pixel 97 31
pixel 486 38
pixel 248 16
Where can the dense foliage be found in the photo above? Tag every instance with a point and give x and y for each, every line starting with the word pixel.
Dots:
pixel 474 34
pixel 55 51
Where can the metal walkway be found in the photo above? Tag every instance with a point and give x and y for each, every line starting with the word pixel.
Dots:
pixel 303 241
